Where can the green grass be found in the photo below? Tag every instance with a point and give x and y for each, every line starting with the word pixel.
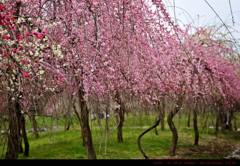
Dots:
pixel 62 144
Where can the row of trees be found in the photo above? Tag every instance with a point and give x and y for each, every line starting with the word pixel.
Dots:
pixel 106 51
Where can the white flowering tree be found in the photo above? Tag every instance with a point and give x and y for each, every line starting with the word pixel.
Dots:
pixel 25 61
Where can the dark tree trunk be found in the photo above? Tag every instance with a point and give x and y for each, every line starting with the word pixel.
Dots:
pixel 120 126
pixel 19 132
pixel 217 124
pixel 156 132
pixel 79 119
pixel 107 112
pixel 139 137
pixel 68 120
pixel 189 116
pixel 87 136
pixel 13 135
pixel 121 118
pixel 195 126
pixel 13 145
pixel 162 115
pixel 230 120
pixel 35 131
pixel 173 129
pixel 24 135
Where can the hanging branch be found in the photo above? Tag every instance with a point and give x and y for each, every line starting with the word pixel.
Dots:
pixel 231 13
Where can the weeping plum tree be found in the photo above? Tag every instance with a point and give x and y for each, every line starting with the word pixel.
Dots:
pixel 99 49
pixel 21 72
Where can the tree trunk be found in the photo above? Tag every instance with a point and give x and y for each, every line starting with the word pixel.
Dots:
pixel 79 119
pixel 13 135
pixel 195 126
pixel 68 120
pixel 107 118
pixel 19 132
pixel 222 122
pixel 139 137
pixel 162 115
pixel 156 132
pixel 173 129
pixel 189 116
pixel 120 126
pixel 230 120
pixel 87 136
pixel 35 131
pixel 121 118
pixel 217 124
pixel 24 135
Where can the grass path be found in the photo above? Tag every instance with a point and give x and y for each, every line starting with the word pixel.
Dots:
pixel 63 144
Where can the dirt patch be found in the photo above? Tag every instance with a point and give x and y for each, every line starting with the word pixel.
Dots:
pixel 211 149
pixel 215 149
pixel 236 137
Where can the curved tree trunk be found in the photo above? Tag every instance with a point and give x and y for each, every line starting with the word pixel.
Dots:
pixel 87 136
pixel 139 137
pixel 173 128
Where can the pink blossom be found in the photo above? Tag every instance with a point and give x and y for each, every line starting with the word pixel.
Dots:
pixel 7 37
pixel 25 74
pixel 44 31
pixel 27 34
pixel 20 37
pixel 25 61
pixel 39 36
pixel 14 50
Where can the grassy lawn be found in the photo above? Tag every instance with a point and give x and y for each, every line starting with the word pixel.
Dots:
pixel 62 144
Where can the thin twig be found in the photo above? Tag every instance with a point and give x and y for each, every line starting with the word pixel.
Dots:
pixel 223 23
pixel 231 13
